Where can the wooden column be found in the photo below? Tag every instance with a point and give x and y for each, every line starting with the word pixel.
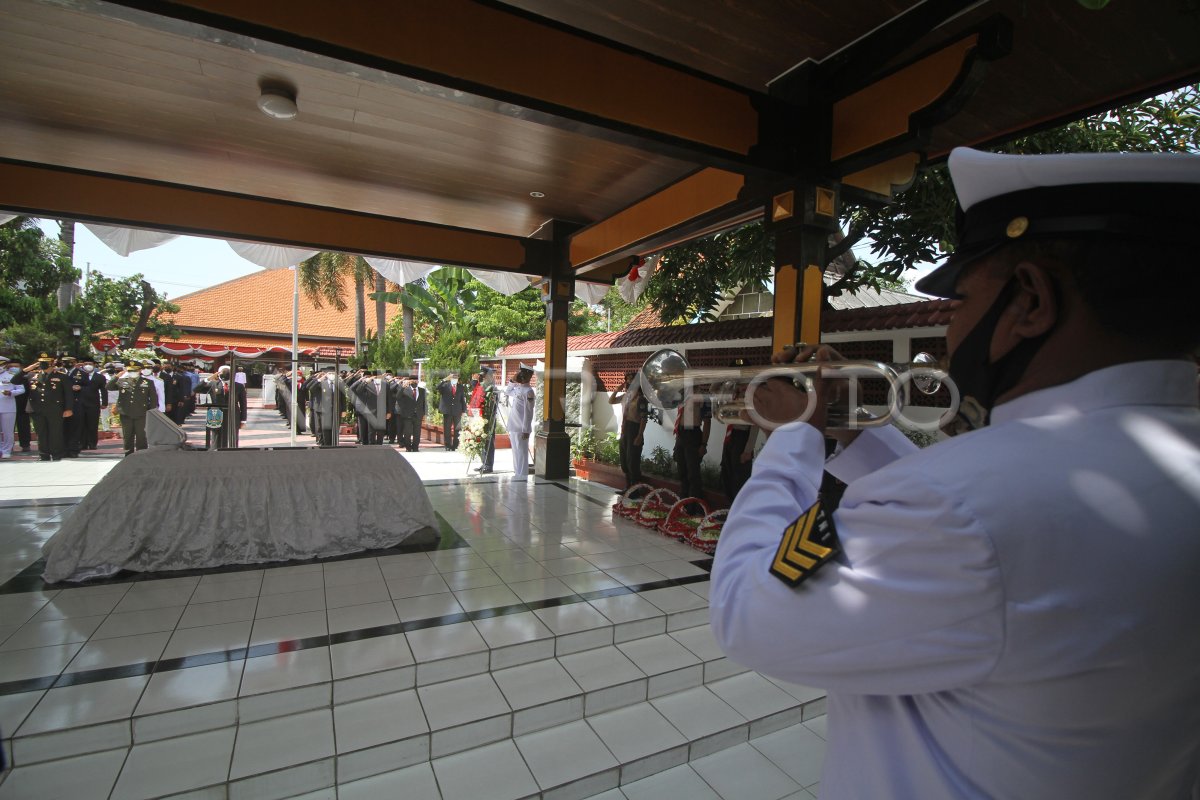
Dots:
pixel 801 220
pixel 552 447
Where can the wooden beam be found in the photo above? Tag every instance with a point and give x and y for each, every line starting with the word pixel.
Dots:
pixel 503 55
pixel 56 192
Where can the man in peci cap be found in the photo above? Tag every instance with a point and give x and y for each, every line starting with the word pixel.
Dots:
pixel 1010 613
pixel 50 403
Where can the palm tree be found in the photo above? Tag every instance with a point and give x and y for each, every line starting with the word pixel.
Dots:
pixel 380 307
pixel 323 280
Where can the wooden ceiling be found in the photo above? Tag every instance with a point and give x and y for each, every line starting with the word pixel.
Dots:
pixel 453 113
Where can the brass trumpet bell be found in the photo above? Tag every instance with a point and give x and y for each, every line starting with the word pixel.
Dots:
pixel 666 377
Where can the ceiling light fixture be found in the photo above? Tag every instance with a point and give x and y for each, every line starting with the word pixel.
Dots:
pixel 278 102
pixel 537 194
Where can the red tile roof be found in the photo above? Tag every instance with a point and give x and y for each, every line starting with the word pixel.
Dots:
pixel 261 303
pixel 926 313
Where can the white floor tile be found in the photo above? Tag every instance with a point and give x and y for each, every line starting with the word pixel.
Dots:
pixel 282 742
pixel 427 606
pixel 51 633
pixel 626 608
pixel 144 599
pixel 517 573
pixel 218 613
pixel 282 580
pixel 375 591
pixel 572 618
pixel 445 641
pixel 486 597
pixel 14 708
pixel 796 750
pixel 674 599
pixel 181 688
pixel 209 639
pixel 286 671
pixel 471 579
pixel 635 732
pixel 679 568
pixel 85 704
pixel 601 667
pixel 584 582
pixel 76 778
pixel 540 589
pixel 139 622
pixel 175 765
pixel 418 585
pixel 743 772
pixel 81 603
pixel 495 772
pixel 563 754
pixel 287 628
pixel 752 695
pixel 370 655
pixel 352 573
pixel 287 603
pixel 657 654
pixel 461 701
pixel 699 640
pixel 411 783
pixel 226 590
pixel 672 784
pixel 378 720
pixel 511 629
pixel 697 712
pixel 369 615
pixel 534 684
pixel 104 653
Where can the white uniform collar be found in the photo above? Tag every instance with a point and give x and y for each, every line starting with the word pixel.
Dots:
pixel 1153 383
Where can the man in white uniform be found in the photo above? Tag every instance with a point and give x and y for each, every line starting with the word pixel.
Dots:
pixel 10 370
pixel 520 419
pixel 1013 612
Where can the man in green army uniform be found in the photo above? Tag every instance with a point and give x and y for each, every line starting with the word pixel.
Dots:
pixel 50 401
pixel 137 396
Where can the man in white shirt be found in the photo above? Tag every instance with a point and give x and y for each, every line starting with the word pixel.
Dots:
pixel 10 371
pixel 1011 613
pixel 153 374
pixel 520 419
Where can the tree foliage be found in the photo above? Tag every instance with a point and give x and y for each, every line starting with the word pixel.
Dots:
pixel 323 279
pixel 918 226
pixel 113 304
pixel 32 265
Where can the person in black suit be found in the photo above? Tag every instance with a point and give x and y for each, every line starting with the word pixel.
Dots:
pixel 176 389
pixel 218 390
pixel 406 402
pixel 373 401
pixel 72 429
pixel 452 403
pixel 90 397
pixel 323 399
pixel 418 413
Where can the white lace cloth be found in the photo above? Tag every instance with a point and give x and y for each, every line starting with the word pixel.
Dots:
pixel 174 510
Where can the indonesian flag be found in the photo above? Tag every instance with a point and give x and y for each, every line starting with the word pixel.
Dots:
pixel 632 285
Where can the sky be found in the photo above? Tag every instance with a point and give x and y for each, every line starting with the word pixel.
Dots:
pixel 176 268
pixel 191 263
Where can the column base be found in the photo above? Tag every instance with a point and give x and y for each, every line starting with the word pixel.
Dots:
pixel 552 455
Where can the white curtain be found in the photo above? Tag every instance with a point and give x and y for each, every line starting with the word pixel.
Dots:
pixel 400 272
pixel 124 241
pixel 271 256
pixel 503 282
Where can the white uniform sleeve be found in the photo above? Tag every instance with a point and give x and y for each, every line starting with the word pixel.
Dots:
pixel 912 605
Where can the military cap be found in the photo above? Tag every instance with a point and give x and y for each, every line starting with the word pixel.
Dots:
pixel 1005 199
pixel 133 365
pixel 45 357
pixel 68 359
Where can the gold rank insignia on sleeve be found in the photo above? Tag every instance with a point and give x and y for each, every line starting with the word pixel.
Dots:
pixel 807 544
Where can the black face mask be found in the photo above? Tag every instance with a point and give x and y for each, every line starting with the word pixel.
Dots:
pixel 971 368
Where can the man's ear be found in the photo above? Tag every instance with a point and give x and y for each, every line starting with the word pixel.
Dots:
pixel 1035 309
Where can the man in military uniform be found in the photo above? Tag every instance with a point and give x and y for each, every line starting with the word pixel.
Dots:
pixel 89 389
pixel 50 402
pixel 136 396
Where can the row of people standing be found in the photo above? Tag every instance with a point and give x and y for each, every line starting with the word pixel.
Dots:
pixel 386 406
pixel 693 430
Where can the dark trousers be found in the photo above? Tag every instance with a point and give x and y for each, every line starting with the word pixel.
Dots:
pixel 734 473
pixel 631 454
pixel 89 426
pixel 409 432
pixel 324 435
pixel 450 425
pixel 393 429
pixel 23 428
pixel 49 429
pixel 687 456
pixel 133 432
pixel 178 413
pixel 73 433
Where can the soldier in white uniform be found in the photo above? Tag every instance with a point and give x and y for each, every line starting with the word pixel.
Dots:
pixel 1011 613
pixel 520 419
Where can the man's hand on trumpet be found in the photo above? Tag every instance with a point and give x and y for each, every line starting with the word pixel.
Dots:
pixel 777 400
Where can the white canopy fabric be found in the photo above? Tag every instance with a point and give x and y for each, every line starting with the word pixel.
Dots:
pixel 591 293
pixel 503 282
pixel 400 272
pixel 270 256
pixel 124 241
pixel 631 287
pixel 7 218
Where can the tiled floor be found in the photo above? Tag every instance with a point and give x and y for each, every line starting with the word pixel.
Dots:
pixel 546 650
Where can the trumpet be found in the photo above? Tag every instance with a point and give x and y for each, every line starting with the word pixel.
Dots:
pixel 666 376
